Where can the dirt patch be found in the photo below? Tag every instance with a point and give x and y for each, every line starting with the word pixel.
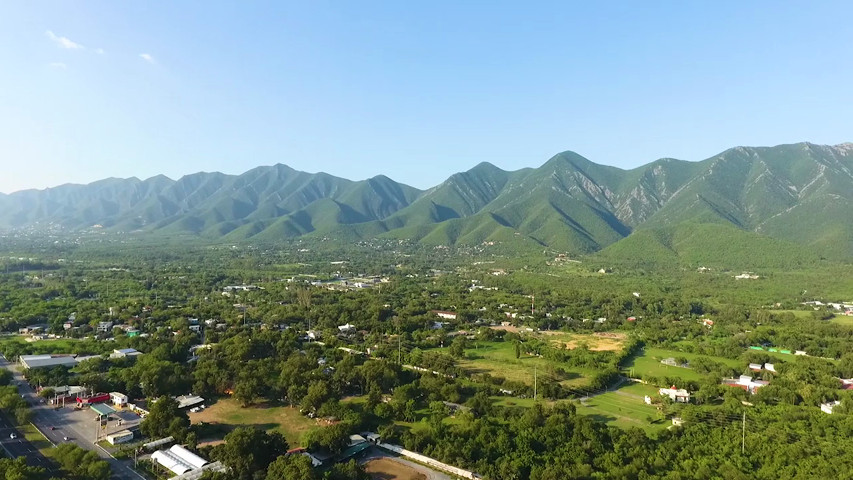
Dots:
pixel 507 328
pixel 387 469
pixel 597 343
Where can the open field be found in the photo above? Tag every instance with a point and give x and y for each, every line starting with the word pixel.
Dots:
pixel 648 363
pixel 388 469
pixel 228 414
pixel 599 342
pixel 842 320
pixel 624 408
pixel 498 360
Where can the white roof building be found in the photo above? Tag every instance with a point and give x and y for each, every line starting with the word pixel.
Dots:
pixel 178 459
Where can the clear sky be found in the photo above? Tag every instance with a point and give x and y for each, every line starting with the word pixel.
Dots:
pixel 413 90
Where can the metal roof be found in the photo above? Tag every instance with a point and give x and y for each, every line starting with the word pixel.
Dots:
pixel 42 361
pixel 102 409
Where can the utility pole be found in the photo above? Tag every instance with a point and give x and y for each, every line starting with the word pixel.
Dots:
pixel 534 383
pixel 743 435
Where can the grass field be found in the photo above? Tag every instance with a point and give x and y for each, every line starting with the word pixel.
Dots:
pixel 228 414
pixel 59 345
pixel 388 469
pixel 842 320
pixel 648 363
pixel 624 408
pixel 498 360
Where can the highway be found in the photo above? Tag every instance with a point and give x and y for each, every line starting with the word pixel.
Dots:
pixel 65 424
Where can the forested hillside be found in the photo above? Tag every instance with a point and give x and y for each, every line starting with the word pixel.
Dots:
pixel 793 194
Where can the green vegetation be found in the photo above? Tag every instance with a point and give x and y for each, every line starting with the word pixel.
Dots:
pixel 229 414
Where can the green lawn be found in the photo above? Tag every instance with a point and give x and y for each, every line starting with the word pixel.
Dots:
pixel 498 360
pixel 648 363
pixel 228 414
pixel 842 320
pixel 624 408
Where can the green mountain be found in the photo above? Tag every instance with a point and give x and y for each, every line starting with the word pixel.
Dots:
pixel 790 198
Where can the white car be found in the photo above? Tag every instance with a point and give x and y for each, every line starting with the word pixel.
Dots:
pixel 12 435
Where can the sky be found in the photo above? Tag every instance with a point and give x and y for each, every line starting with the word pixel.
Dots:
pixel 412 90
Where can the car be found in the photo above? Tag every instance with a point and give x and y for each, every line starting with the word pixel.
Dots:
pixel 53 428
pixel 12 435
pixel 65 438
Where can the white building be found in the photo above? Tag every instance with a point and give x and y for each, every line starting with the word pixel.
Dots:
pixel 347 328
pixel 678 395
pixel 120 437
pixel 119 399
pixel 178 459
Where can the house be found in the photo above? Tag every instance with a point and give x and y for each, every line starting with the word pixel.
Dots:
pixel 770 367
pixel 669 361
pixel 755 367
pixel 829 406
pixel 678 395
pixel 746 382
pixel 105 327
pixel 139 407
pixel 445 314
pixel 347 328
pixel 846 383
pixel 120 437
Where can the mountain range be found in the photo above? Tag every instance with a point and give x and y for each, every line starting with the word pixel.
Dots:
pixel 797 195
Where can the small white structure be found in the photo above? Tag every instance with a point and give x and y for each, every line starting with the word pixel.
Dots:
pixel 120 437
pixel 185 401
pixel 647 399
pixel 770 367
pixel 829 406
pixel 347 328
pixel 119 399
pixel 445 314
pixel 677 421
pixel 178 459
pixel 755 367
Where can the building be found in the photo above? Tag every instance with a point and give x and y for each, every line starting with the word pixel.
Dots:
pixel 105 327
pixel 746 382
pixel 179 460
pixel 445 314
pixel 119 399
pixel 755 367
pixel 120 437
pixel 347 328
pixel 829 406
pixel 187 401
pixel 125 353
pixel 94 399
pixel 47 361
pixel 678 395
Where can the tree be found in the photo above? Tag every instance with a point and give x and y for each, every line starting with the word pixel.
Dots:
pixel 291 467
pixel 334 438
pixel 165 419
pixel 347 471
pixel 249 451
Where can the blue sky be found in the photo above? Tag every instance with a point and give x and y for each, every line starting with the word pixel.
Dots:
pixel 413 90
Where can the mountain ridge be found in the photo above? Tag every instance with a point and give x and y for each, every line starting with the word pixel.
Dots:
pixel 792 192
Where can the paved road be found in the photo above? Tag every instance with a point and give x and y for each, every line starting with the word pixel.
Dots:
pixel 44 417
pixel 20 446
